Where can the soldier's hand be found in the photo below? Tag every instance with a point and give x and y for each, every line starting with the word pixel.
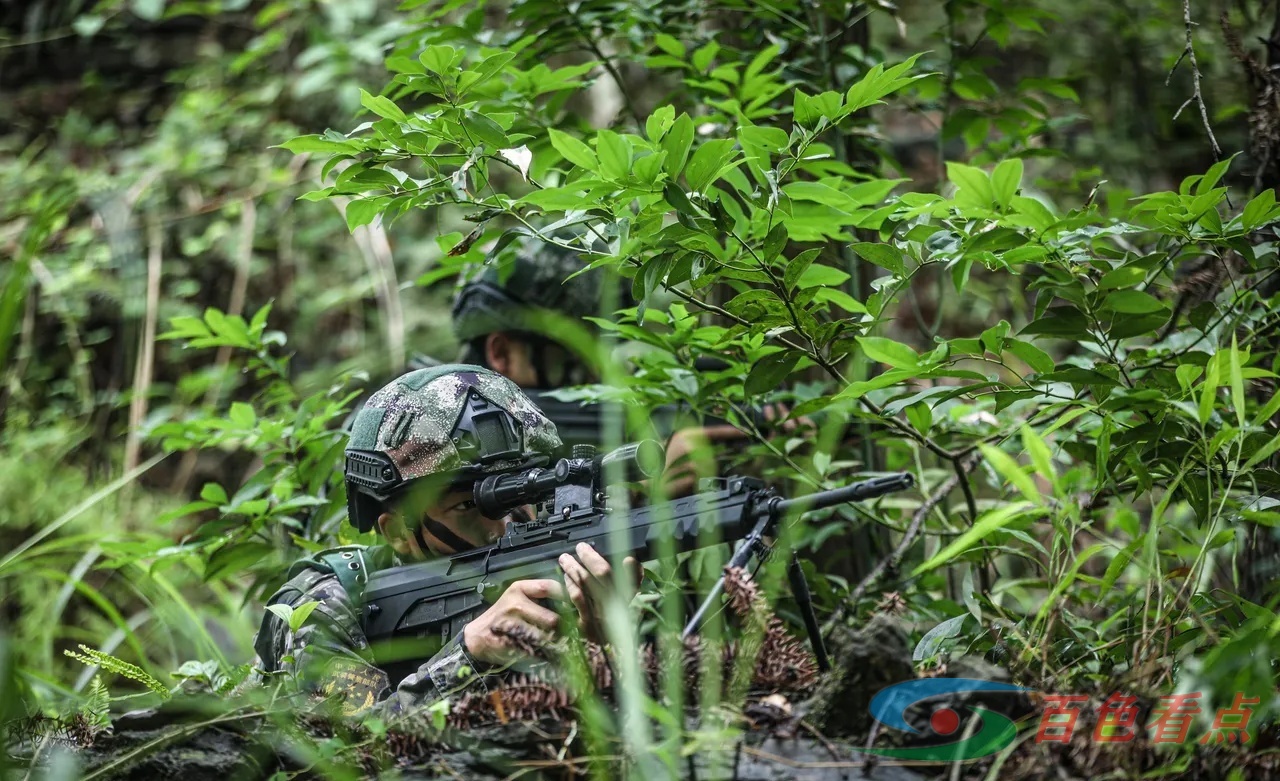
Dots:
pixel 589 580
pixel 488 637
pixel 690 457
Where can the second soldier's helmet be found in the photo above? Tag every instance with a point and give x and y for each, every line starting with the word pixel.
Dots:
pixel 515 287
pixel 452 423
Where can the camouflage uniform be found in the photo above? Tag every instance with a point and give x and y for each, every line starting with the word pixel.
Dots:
pixel 330 654
pixel 428 422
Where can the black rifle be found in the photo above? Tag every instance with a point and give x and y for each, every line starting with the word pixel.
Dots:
pixel 435 599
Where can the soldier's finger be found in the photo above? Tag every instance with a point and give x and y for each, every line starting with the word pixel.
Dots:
pixel 723 433
pixel 635 573
pixel 575 574
pixel 596 564
pixel 536 615
pixel 542 588
pixel 578 596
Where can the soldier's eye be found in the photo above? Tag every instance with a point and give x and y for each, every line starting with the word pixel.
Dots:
pixel 466 506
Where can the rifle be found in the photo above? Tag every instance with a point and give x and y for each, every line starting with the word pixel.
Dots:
pixel 435 599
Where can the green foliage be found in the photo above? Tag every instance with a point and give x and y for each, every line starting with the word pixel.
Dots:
pixel 95 658
pixel 1109 362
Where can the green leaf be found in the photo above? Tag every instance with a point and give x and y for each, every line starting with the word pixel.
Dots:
pixel 1213 175
pixel 669 44
pixel 484 71
pixel 920 416
pixel 1133 302
pixel 887 351
pixel 797 266
pixel 1066 322
pixel 319 144
pixel 282 612
pixel 1258 211
pixel 774 243
pixel 361 211
pixel 298 616
pixel 1237 382
pixel 1268 412
pixel 988 522
pixel 974 187
pixel 1041 458
pixel 556 198
pixel 835 295
pixel 885 256
pixel 485 130
pixel 1125 276
pixel 1005 180
pixel 820 193
pixel 1209 392
pixel 992 339
pixel 706 163
pixel 1262 453
pixel 879 82
pixel 770 139
pixel 769 372
pixel 614 152
pixel 242 415
pixel 659 122
pixel 212 492
pixel 1011 472
pixel 574 150
pixel 935 638
pixel 676 144
pixel 382 106
pixel 818 275
pixel 1032 356
pixel 1187 374
pixel 439 59
pixel 673 195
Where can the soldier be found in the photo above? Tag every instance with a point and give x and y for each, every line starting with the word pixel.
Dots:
pixel 416 448
pixel 504 313
pixel 505 310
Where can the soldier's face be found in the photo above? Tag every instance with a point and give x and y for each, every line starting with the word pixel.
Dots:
pixel 456 512
pixel 510 357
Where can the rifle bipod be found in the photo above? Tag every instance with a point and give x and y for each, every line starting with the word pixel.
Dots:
pixel 753 545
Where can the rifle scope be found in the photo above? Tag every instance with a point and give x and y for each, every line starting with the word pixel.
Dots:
pixel 497 495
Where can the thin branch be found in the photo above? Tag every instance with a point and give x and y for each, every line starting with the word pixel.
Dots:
pixel 145 364
pixel 1197 97
pixel 589 41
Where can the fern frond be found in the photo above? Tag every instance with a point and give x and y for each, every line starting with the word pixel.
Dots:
pixel 107 662
pixel 97 708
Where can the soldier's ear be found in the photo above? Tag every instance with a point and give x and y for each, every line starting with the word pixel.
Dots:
pixel 497 352
pixel 392 527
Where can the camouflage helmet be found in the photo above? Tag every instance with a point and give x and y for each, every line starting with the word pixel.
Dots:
pixel 453 423
pixel 519 283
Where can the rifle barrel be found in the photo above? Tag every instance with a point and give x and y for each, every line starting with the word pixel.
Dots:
pixel 859 491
